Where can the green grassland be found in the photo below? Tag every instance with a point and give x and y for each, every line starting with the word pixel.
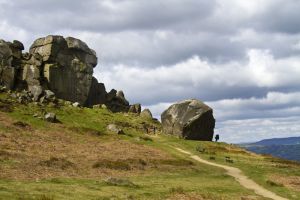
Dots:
pixel 77 158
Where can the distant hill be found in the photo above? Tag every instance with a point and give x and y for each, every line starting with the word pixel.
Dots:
pixel 279 141
pixel 286 148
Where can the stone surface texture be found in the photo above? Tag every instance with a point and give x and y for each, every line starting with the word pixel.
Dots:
pixel 189 119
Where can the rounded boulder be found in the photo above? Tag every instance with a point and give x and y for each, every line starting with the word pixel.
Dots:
pixel 189 119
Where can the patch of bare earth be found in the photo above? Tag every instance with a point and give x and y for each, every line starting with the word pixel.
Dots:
pixel 27 153
pixel 291 182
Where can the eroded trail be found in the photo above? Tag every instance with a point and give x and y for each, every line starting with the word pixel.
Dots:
pixel 239 176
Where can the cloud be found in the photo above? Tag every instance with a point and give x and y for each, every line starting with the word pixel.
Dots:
pixel 106 15
pixel 251 130
pixel 10 33
pixel 285 13
pixel 274 104
pixel 196 78
pixel 134 33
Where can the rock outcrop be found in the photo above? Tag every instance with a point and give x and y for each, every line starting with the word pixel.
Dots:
pixel 116 101
pixel 7 72
pixel 61 65
pixel 97 94
pixel 67 66
pixel 146 113
pixel 135 108
pixel 189 119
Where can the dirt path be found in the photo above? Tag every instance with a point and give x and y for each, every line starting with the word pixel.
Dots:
pixel 239 176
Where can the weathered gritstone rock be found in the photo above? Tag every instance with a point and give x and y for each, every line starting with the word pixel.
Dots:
pixel 61 65
pixel 114 129
pixel 97 93
pixel 135 108
pixel 16 47
pixel 31 75
pixel 190 119
pixel 146 113
pixel 116 101
pixel 68 66
pixel 7 72
pixel 50 117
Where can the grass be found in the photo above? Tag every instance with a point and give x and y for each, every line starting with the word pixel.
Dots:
pixel 74 159
pixel 258 167
pixel 153 186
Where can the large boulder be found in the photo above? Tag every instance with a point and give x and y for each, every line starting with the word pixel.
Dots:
pixel 189 119
pixel 68 66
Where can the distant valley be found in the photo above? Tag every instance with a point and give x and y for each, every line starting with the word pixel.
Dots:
pixel 286 148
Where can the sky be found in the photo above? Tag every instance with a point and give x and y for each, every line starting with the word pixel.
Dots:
pixel 242 58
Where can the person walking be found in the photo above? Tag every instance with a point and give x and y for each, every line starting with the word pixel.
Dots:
pixel 217 137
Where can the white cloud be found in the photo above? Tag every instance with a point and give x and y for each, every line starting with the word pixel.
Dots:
pixel 198 78
pixel 9 32
pixel 251 130
pixel 296 46
pixel 274 104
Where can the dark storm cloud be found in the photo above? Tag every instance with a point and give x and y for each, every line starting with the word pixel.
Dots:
pixel 193 27
pixel 281 16
pixel 105 15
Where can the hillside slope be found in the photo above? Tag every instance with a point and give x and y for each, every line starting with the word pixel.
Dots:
pixel 279 141
pixel 286 148
pixel 78 158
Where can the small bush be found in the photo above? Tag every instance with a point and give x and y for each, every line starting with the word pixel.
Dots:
pixel 120 182
pixel 115 165
pixel 272 183
pixel 21 124
pixel 54 162
pixel 56 180
pixel 146 138
pixel 84 130
pixel 281 161
pixel 5 106
pixel 200 149
pixel 177 190
pixel 178 162
pixel 4 155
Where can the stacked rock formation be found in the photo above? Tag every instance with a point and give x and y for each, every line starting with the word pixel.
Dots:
pixel 61 65
pixel 189 119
